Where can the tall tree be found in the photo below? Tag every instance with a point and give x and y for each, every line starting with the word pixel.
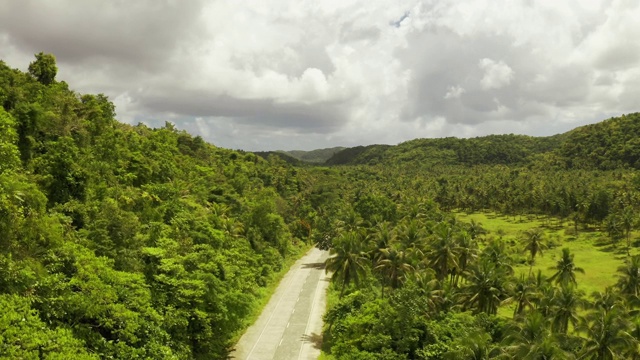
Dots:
pixel 349 260
pixel 566 269
pixel 44 68
pixel 566 303
pixel 607 336
pixel 629 278
pixel 443 250
pixel 534 244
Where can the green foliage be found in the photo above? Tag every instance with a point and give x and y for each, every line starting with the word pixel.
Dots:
pixel 24 336
pixel 317 156
pixel 125 242
pixel 44 68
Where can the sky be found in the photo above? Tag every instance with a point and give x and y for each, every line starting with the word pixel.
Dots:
pixel 308 74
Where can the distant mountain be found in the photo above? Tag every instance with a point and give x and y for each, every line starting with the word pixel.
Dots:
pixel 284 156
pixel 610 144
pixel 493 149
pixel 318 156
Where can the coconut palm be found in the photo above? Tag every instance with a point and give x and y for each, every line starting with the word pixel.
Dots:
pixel 565 306
pixel 566 269
pixel 474 346
pixel 485 287
pixel 394 265
pixel 467 253
pixel 628 222
pixel 629 278
pixel 496 252
pixel 475 229
pixel 607 336
pixel 532 339
pixel 383 236
pixel 348 260
pixel 411 235
pixel 523 294
pixel 534 244
pixel 443 251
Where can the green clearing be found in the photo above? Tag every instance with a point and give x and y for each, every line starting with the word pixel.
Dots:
pixel 592 249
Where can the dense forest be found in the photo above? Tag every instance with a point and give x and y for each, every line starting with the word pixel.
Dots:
pixel 126 242
pixel 120 241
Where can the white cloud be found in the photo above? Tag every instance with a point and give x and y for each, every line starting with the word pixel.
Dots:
pixel 454 92
pixel 287 73
pixel 496 74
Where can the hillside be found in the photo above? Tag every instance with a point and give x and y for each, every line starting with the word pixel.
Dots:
pixel 126 242
pixel 610 144
pixel 317 156
pixel 492 149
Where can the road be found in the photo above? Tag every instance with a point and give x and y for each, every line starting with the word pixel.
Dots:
pixel 290 326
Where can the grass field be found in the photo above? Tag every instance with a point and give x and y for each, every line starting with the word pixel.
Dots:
pixel 592 249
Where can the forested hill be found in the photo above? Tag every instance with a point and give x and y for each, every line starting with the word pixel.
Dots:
pixel 317 156
pixel 610 144
pixel 127 242
pixel 493 149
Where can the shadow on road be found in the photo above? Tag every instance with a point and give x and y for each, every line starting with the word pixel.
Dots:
pixel 315 339
pixel 319 265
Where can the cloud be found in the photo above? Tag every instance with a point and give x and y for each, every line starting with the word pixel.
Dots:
pixel 290 74
pixel 496 74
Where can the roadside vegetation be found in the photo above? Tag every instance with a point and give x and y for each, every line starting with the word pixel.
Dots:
pixel 121 241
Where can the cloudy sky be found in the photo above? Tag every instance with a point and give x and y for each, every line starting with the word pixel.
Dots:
pixel 305 74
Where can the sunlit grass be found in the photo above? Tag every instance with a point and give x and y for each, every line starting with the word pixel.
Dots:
pixel 592 249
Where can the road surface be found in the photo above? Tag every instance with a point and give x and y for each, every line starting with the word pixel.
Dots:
pixel 290 326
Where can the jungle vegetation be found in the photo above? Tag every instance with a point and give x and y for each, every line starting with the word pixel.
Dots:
pixel 121 241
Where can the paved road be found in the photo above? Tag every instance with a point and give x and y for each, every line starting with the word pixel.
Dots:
pixel 290 326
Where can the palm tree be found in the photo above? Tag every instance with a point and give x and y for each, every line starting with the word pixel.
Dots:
pixel 607 336
pixel 443 251
pixel 628 221
pixel 467 254
pixel 474 346
pixel 411 234
pixel 382 237
pixel 485 287
pixel 532 339
pixel 629 279
pixel 565 305
pixel 496 252
pixel 394 266
pixel 533 242
pixel 348 261
pixel 614 227
pixel 606 301
pixel 523 293
pixel 566 269
pixel 475 229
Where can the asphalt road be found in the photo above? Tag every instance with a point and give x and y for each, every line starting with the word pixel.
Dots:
pixel 290 326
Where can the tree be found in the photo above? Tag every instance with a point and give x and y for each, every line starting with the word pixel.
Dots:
pixel 394 265
pixel 348 262
pixel 566 269
pixel 523 294
pixel 532 339
pixel 534 244
pixel 565 305
pixel 443 251
pixel 485 287
pixel 9 154
pixel 44 68
pixel 607 336
pixel 628 221
pixel 629 278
